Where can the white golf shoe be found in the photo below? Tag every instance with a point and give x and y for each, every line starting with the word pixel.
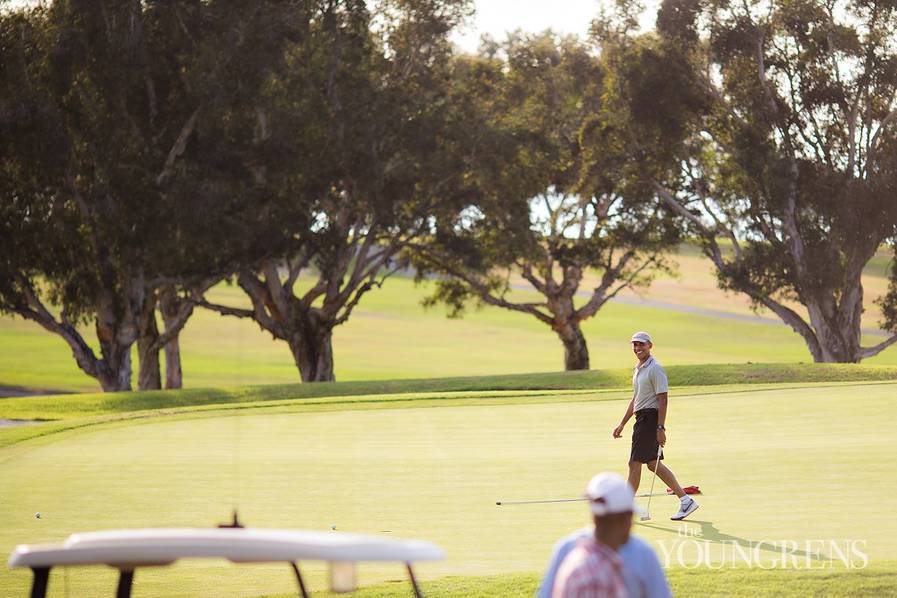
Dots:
pixel 685 509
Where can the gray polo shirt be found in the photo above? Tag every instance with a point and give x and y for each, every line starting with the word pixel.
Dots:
pixel 648 380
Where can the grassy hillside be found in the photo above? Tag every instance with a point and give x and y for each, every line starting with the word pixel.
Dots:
pixel 54 407
pixel 64 413
pixel 390 336
pixel 694 284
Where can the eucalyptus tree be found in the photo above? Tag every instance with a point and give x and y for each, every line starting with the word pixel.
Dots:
pixel 541 221
pixel 366 178
pixel 125 164
pixel 782 130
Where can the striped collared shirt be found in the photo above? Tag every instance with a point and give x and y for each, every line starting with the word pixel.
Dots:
pixel 591 570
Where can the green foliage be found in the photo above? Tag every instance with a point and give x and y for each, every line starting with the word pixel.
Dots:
pixel 368 152
pixel 179 142
pixel 131 166
pixel 888 302
pixel 533 213
pixel 776 132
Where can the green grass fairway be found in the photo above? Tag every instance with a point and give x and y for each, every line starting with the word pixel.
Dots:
pixel 391 336
pixel 776 463
pixel 876 580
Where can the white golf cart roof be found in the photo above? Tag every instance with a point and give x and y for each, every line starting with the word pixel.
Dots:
pixel 130 549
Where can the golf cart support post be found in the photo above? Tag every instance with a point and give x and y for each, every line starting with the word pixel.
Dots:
pixel 126 550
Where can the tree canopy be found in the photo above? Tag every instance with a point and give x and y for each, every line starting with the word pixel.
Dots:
pixel 118 176
pixel 369 88
pixel 308 150
pixel 552 205
pixel 788 154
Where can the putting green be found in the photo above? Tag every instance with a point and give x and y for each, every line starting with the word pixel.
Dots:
pixel 777 465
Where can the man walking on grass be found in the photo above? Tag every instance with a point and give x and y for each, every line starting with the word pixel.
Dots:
pixel 649 405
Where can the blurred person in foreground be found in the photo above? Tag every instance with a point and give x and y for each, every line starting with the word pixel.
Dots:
pixel 604 559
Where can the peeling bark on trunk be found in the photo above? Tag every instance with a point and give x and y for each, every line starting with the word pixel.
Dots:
pixel 566 322
pixel 174 377
pixel 117 330
pixel 837 323
pixel 839 341
pixel 175 312
pixel 835 344
pixel 150 376
pixel 306 322
pixel 576 351
pixel 170 306
pixel 117 376
pixel 312 349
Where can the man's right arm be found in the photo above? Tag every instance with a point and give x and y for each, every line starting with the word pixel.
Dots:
pixel 618 431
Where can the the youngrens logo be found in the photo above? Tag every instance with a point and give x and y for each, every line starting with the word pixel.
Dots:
pixel 690 549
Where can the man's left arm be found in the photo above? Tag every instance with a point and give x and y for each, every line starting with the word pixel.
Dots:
pixel 661 417
pixel 661 387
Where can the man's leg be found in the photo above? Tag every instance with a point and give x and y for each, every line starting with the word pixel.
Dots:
pixel 635 474
pixel 664 473
pixel 687 504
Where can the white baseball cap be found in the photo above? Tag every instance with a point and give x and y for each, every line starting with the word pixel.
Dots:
pixel 609 493
pixel 642 337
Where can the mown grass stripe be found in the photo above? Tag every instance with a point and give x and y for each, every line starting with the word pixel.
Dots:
pixel 16 434
pixel 59 406
pixel 880 579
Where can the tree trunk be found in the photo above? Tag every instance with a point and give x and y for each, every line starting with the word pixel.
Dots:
pixel 838 324
pixel 169 306
pixel 175 313
pixel 150 377
pixel 312 347
pixel 174 377
pixel 116 375
pixel 838 342
pixel 116 328
pixel 116 335
pixel 576 351
pixel 114 371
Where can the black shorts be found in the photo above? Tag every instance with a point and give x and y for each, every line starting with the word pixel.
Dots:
pixel 644 437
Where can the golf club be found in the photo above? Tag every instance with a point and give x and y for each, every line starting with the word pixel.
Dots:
pixel 647 514
pixel 503 503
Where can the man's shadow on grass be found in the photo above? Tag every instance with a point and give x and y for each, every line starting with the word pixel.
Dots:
pixel 710 533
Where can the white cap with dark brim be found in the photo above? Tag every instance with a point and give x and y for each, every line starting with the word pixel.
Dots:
pixel 642 337
pixel 609 494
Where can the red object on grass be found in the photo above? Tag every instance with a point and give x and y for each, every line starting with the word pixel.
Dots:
pixel 688 490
